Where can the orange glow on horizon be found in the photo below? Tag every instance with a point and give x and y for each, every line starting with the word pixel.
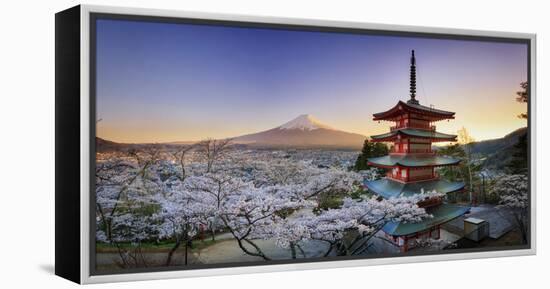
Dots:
pixel 483 123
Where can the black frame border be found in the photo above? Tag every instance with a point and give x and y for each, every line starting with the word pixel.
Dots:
pixel 67 144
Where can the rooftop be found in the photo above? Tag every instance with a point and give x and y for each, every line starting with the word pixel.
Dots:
pixel 475 221
pixel 404 107
pixel 387 188
pixel 409 160
pixel 421 133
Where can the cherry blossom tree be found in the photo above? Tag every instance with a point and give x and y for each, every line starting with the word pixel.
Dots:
pixel 175 193
pixel 514 200
pixel 213 150
pixel 254 212
pixel 358 220
pixel 124 185
pixel 285 212
pixel 213 190
pixel 179 156
pixel 251 211
pixel 180 218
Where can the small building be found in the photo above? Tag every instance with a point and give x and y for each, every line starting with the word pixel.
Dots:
pixel 475 229
pixel 411 166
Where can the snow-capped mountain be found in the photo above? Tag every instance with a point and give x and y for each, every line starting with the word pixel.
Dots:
pixel 305 122
pixel 303 131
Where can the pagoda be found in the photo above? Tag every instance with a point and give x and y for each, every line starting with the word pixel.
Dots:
pixel 411 167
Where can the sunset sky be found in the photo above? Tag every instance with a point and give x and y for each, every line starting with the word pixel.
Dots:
pixel 159 82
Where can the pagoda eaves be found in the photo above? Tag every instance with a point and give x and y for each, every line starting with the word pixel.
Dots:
pixel 416 110
pixel 411 160
pixel 433 135
pixel 390 189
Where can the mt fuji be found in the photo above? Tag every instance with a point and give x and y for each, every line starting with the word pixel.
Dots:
pixel 305 131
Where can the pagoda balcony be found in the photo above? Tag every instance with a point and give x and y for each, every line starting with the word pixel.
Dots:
pixel 413 151
pixel 423 127
pixel 431 202
pixel 398 177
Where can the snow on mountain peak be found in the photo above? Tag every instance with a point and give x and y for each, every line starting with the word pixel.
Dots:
pixel 305 122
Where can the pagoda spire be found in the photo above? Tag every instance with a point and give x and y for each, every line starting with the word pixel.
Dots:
pixel 413 80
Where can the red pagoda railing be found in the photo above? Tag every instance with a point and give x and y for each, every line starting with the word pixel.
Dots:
pixel 430 202
pixel 408 178
pixel 402 151
pixel 426 127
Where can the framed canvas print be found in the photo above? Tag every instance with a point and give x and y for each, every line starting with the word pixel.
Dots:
pixel 193 144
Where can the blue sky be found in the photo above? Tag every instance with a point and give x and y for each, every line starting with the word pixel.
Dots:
pixel 160 82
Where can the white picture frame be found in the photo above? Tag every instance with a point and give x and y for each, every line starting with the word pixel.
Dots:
pixel 85 275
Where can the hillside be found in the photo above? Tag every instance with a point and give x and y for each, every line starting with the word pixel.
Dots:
pixel 498 152
pixel 495 145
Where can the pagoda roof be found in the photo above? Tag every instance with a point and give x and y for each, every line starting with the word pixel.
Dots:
pixel 388 188
pixel 409 160
pixel 404 107
pixel 421 133
pixel 440 214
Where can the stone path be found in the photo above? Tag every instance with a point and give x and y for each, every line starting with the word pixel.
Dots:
pixel 229 251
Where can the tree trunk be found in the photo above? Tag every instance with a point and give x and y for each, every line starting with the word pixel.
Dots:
pixel 172 251
pixel 329 250
pixel 213 232
pixel 522 227
pixel 471 183
pixel 187 240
